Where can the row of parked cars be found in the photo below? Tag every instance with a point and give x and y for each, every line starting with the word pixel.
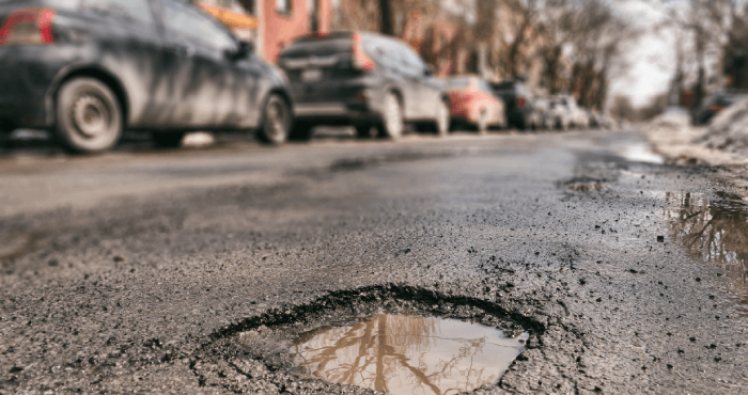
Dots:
pixel 89 69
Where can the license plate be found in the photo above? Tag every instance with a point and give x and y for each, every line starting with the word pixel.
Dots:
pixel 311 75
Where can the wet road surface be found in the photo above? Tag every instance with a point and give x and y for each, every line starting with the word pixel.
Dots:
pixel 147 272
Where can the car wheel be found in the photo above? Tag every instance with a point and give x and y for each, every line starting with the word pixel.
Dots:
pixel 89 116
pixel 366 131
pixel 392 118
pixel 482 125
pixel 301 131
pixel 522 124
pixel 276 121
pixel 167 139
pixel 441 125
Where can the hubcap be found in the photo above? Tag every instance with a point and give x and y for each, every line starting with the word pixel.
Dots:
pixel 276 119
pixel 443 119
pixel 91 116
pixel 394 119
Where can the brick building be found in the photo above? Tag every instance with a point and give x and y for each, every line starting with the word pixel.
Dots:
pixel 441 39
pixel 271 24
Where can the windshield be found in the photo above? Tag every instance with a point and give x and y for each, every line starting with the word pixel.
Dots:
pixel 319 46
pixel 458 83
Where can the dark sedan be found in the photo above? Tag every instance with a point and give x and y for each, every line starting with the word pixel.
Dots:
pixel 714 104
pixel 518 103
pixel 88 69
pixel 373 82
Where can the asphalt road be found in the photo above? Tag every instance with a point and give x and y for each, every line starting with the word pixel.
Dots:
pixel 142 271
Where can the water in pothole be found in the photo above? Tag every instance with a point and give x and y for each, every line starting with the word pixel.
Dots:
pixel 403 354
pixel 716 228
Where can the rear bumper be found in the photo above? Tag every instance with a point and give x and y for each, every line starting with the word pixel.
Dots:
pixel 338 101
pixel 336 112
pixel 26 76
pixel 518 117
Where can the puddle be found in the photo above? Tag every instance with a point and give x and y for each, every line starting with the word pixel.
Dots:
pixel 14 245
pixel 641 152
pixel 583 184
pixel 406 354
pixel 715 228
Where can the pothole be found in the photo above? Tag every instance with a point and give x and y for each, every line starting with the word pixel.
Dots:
pixel 583 184
pixel 397 339
pixel 716 229
pixel 409 354
pixel 16 244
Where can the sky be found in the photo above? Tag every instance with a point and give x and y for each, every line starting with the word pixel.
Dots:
pixel 651 58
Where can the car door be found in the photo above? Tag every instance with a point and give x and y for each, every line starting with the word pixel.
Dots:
pixel 407 79
pixel 427 89
pixel 129 44
pixel 207 87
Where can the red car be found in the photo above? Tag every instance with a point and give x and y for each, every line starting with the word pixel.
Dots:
pixel 473 104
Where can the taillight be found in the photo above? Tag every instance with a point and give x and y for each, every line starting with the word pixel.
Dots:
pixel 30 26
pixel 361 61
pixel 521 102
pixel 717 108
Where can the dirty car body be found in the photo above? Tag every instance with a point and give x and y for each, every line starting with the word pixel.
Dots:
pixel 171 67
pixel 473 103
pixel 518 101
pixel 343 78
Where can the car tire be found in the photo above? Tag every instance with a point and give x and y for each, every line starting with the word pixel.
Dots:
pixel 366 131
pixel 443 120
pixel 167 139
pixel 392 124
pixel 482 125
pixel 301 131
pixel 89 116
pixel 276 121
pixel 521 124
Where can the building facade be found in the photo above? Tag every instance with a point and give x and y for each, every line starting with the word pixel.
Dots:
pixel 271 24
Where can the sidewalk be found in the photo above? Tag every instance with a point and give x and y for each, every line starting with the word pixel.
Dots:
pixel 720 146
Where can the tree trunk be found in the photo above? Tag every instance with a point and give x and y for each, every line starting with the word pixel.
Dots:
pixel 386 24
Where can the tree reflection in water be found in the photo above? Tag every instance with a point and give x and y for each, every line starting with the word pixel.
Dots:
pixel 716 229
pixel 408 354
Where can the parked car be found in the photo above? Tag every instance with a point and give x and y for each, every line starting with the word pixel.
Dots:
pixel 714 104
pixel 542 117
pixel 518 102
pixel 473 103
pixel 373 82
pixel 89 69
pixel 561 115
pixel 578 116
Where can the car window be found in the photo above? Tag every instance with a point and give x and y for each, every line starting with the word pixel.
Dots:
pixel 376 49
pixel 484 87
pixel 504 86
pixel 188 22
pixel 383 50
pixel 411 58
pixel 318 47
pixel 134 10
pixel 458 83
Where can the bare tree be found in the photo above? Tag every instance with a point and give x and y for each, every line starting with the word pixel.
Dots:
pixel 386 15
pixel 707 24
pixel 622 109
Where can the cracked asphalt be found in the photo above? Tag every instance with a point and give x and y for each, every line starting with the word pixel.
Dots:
pixel 140 271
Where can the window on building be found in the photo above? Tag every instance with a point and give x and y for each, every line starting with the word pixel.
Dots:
pixel 283 6
pixel 313 8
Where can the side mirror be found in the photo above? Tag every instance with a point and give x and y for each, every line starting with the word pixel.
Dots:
pixel 243 50
pixel 428 71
